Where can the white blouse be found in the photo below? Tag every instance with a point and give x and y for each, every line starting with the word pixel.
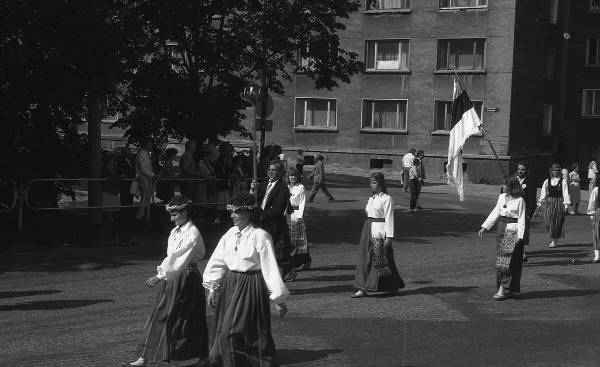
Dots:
pixel 381 206
pixel 554 182
pixel 592 206
pixel 254 252
pixel 185 246
pixel 297 198
pixel 515 208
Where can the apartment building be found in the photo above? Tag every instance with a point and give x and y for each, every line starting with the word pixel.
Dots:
pixel 514 57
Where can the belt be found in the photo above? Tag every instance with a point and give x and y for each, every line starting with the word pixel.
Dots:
pixel 376 219
pixel 295 207
pixel 507 219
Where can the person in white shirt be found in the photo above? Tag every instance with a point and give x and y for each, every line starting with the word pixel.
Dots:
pixel 176 328
pixel 510 216
pixel 375 267
pixel 242 275
pixel 555 194
pixel 594 213
pixel 144 174
pixel 300 251
pixel 574 189
pixel 407 163
pixel 592 174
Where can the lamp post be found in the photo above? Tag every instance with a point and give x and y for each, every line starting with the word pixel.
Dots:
pixel 253 95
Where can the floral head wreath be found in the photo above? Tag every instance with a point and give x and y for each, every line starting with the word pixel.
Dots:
pixel 241 207
pixel 176 208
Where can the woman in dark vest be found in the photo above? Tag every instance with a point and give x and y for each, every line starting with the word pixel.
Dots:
pixel 555 194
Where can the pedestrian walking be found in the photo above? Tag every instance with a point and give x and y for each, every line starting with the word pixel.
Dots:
pixel 407 162
pixel 592 174
pixel 555 194
pixel 529 197
pixel 375 267
pixel 509 213
pixel 414 182
pixel 300 250
pixel 144 174
pixel 242 275
pixel 318 176
pixel 176 328
pixel 421 156
pixel 274 198
pixel 300 164
pixel 574 189
pixel 594 213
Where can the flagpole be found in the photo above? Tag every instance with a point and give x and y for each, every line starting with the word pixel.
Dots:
pixel 482 129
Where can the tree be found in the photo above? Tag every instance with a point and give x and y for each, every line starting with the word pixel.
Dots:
pixel 201 55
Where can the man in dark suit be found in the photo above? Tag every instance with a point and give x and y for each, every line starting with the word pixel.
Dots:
pixel 530 196
pixel 273 198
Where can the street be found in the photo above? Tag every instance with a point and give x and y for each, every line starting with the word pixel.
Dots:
pixel 86 306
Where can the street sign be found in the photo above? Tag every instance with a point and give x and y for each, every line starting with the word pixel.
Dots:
pixel 259 107
pixel 268 125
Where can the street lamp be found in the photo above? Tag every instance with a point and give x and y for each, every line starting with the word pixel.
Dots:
pixel 253 95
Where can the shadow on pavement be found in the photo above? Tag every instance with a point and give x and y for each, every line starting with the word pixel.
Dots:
pixel 559 253
pixel 436 290
pixel 16 294
pixel 327 278
pixel 330 289
pixel 558 293
pixel 53 305
pixel 291 356
pixel 334 268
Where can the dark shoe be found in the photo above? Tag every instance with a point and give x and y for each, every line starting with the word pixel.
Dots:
pixel 525 259
pixel 305 267
pixel 290 277
pixel 595 261
pixel 331 199
pixel 359 294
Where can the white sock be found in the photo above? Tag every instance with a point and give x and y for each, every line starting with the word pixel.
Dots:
pixel 139 363
pixel 596 254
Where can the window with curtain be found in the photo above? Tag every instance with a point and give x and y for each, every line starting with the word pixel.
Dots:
pixel 384 114
pixel 443 114
pixel 315 112
pixel 387 4
pixel 592 55
pixel 463 54
pixel 547 123
pixel 387 55
pixel 591 103
pixel 448 4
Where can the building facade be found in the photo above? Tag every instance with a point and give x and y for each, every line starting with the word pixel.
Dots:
pixel 514 58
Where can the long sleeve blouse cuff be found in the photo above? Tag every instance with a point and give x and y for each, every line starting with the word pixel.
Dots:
pixel 279 298
pixel 160 273
pixel 211 285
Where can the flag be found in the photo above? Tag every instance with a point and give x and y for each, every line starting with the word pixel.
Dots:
pixel 465 123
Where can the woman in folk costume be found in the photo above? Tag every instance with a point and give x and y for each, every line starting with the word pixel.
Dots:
pixel 300 250
pixel 510 214
pixel 375 268
pixel 176 329
pixel 555 194
pixel 242 276
pixel 574 189
pixel 594 213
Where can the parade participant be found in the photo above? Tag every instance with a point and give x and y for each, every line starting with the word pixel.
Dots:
pixel 176 328
pixel 530 198
pixel 300 164
pixel 300 250
pixel 592 173
pixel 594 213
pixel 376 268
pixel 242 275
pixel 274 198
pixel 574 189
pixel 510 214
pixel 555 194
pixel 318 176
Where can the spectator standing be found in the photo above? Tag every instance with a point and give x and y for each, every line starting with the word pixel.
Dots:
pixel 421 156
pixel 300 164
pixel 407 162
pixel 574 189
pixel 414 178
pixel 144 175
pixel 188 169
pixel 592 174
pixel 126 168
pixel 318 176
pixel 168 187
pixel 110 195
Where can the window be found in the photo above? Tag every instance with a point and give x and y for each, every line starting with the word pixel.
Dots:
pixel 449 4
pixel 315 112
pixel 443 114
pixel 592 54
pixel 384 114
pixel 387 4
pixel 553 11
pixel 595 6
pixel 549 67
pixel 547 123
pixel 591 102
pixel 463 54
pixel 387 55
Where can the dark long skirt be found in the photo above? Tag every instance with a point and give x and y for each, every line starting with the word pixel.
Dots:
pixel 509 263
pixel 242 326
pixel 368 276
pixel 280 232
pixel 300 250
pixel 176 329
pixel 555 217
pixel 596 230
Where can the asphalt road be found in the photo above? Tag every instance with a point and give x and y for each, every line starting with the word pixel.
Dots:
pixel 86 305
